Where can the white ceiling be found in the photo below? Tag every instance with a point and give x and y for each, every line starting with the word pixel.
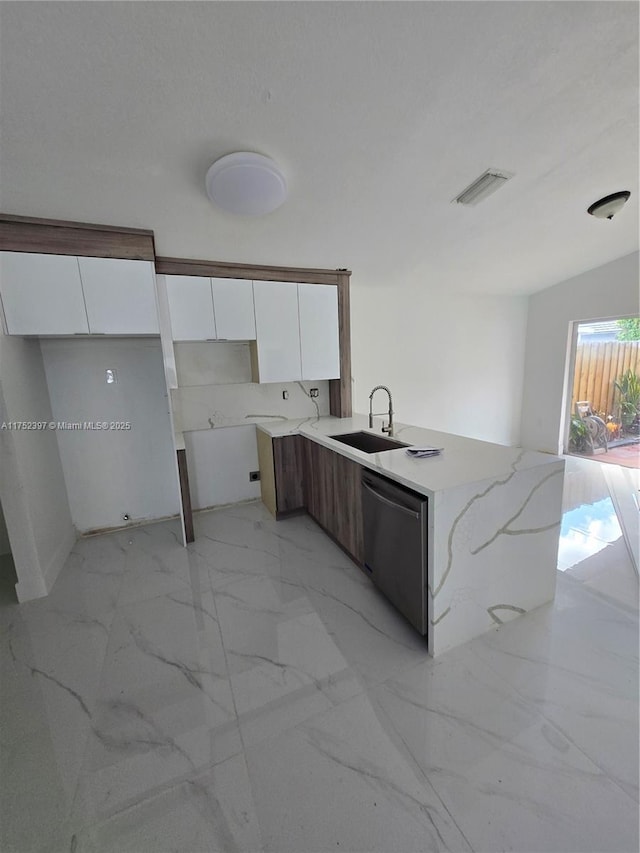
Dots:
pixel 379 114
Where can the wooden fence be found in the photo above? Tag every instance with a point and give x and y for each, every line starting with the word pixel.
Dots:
pixel 598 365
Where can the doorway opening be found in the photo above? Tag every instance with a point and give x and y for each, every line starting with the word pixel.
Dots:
pixel 603 421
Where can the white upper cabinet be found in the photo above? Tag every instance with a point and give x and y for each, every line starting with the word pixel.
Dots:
pixel 297 331
pixel 295 326
pixel 233 306
pixel 206 309
pixel 42 294
pixel 191 308
pixel 319 344
pixel 277 331
pixel 120 296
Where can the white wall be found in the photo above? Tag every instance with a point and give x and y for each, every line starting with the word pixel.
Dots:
pixel 219 462
pixel 110 473
pixel 453 361
pixel 32 487
pixel 607 291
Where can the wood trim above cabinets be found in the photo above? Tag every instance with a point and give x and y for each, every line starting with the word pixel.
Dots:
pixel 60 237
pixel 340 403
pixel 221 269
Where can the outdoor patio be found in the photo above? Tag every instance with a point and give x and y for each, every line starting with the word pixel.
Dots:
pixel 605 405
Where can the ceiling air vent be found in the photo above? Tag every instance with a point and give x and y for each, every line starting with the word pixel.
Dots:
pixel 483 186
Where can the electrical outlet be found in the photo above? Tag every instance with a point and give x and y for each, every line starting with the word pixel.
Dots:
pixel 313 392
pixel 254 476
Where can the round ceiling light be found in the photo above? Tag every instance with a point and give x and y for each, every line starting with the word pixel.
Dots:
pixel 247 184
pixel 607 207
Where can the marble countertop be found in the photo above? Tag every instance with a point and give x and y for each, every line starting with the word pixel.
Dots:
pixel 462 461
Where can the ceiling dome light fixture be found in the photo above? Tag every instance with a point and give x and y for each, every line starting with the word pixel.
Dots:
pixel 607 207
pixel 245 183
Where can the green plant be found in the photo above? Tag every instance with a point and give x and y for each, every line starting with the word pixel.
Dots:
pixel 629 329
pixel 628 386
pixel 578 435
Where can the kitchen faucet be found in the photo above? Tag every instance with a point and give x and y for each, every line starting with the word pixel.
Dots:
pixel 388 429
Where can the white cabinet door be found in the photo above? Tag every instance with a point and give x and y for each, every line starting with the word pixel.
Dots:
pixel 277 331
pixel 42 294
pixel 191 308
pixel 120 296
pixel 233 306
pixel 319 345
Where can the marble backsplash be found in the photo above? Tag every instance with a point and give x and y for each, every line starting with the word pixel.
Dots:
pixel 215 390
pixel 211 406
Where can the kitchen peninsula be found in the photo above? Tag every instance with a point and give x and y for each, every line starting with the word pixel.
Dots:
pixel 494 513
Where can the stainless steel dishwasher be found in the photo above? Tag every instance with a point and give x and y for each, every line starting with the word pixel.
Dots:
pixel 395 545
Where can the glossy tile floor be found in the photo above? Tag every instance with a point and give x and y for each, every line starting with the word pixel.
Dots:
pixel 254 693
pixel 592 549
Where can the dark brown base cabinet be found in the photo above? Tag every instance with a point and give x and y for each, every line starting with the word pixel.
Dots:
pixel 297 473
pixel 288 465
pixel 333 496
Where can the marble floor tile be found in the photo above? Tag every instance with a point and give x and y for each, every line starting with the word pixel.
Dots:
pixel 300 537
pixel 209 812
pixel 88 586
pixel 512 780
pixel 371 634
pixel 155 562
pixel 599 535
pixel 50 664
pixel 283 664
pixel 610 573
pixel 35 803
pixel 577 663
pixel 254 692
pixel 231 554
pixel 104 553
pixel 339 782
pixel 165 705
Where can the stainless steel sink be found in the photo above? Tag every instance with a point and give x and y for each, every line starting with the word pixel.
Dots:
pixel 368 441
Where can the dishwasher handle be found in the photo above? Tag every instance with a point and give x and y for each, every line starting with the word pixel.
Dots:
pixel 389 502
